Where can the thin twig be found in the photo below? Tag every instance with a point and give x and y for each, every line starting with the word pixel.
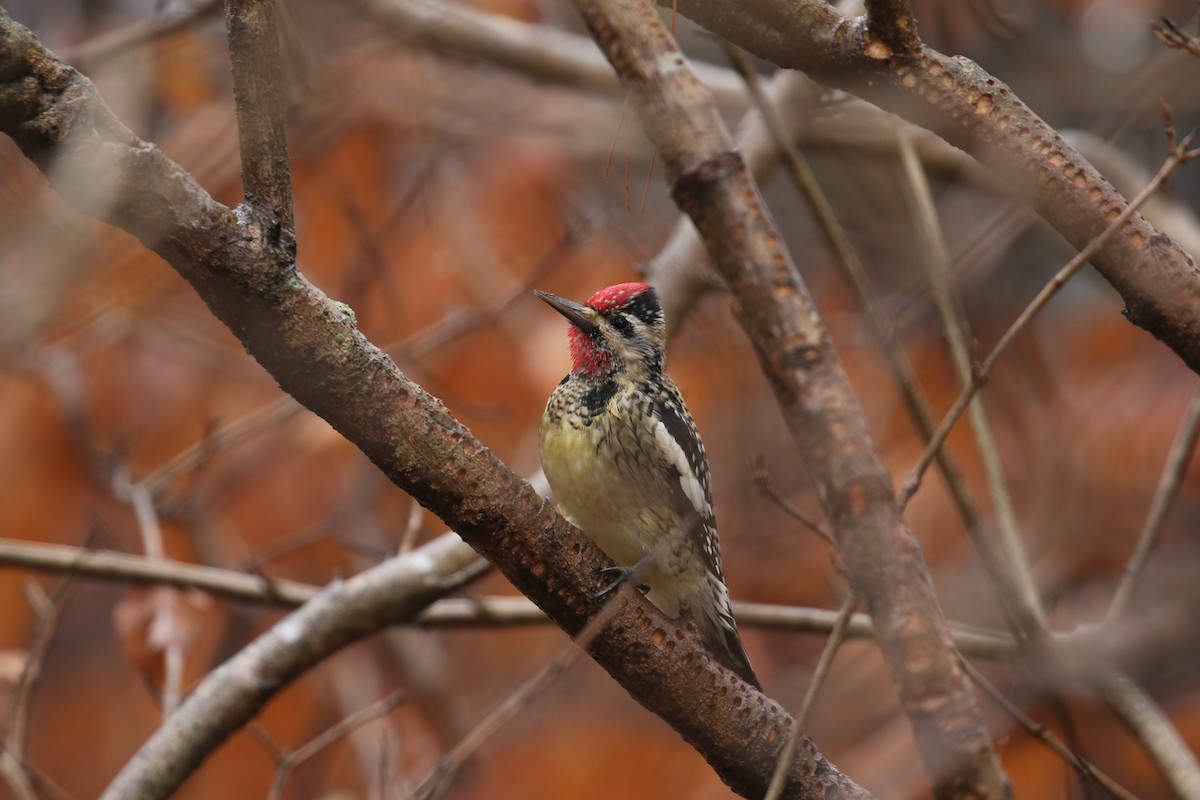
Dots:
pixel 450 612
pixel 13 772
pixel 111 565
pixel 1019 588
pixel 1178 156
pixel 90 55
pixel 539 51
pixel 763 479
pixel 288 761
pixel 1043 735
pixel 260 419
pixel 1164 498
pixel 48 613
pixel 836 636
pixel 1154 731
pixel 436 782
pixel 1172 35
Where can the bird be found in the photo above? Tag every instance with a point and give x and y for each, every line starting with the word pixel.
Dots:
pixel 626 464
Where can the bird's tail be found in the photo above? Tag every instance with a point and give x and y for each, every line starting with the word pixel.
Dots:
pixel 719 633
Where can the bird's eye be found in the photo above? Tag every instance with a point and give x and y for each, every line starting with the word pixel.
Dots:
pixel 621 325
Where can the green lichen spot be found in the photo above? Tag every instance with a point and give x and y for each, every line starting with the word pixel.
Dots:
pixel 348 311
pixel 293 284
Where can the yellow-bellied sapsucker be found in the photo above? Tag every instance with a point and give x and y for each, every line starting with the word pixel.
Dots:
pixel 627 467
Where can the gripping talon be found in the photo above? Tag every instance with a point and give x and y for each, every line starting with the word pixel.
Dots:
pixel 623 574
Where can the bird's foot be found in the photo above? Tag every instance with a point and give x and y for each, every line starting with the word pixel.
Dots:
pixel 622 574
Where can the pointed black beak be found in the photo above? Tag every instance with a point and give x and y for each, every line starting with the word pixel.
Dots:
pixel 580 316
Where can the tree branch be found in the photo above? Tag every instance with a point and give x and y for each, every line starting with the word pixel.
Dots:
pixel 448 612
pixel 711 184
pixel 261 110
pixel 229 696
pixel 539 51
pixel 959 101
pixel 310 346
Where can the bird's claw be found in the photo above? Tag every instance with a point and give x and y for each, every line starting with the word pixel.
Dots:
pixel 622 574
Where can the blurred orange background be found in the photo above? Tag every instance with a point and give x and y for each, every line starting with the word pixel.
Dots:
pixel 433 192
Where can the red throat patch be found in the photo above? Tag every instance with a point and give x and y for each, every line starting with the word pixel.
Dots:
pixel 586 357
pixel 615 296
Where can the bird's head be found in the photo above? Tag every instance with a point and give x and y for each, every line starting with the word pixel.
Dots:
pixel 619 329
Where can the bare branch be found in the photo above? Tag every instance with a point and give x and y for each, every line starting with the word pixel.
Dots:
pixel 956 99
pixel 243 270
pixel 837 635
pixel 124 567
pixel 1178 157
pixel 1172 35
pixel 16 720
pixel 881 329
pixel 1020 593
pixel 710 183
pixel 1154 731
pixel 1178 459
pixel 261 112
pixel 232 694
pixel 539 51
pixel 1039 732
pixel 450 612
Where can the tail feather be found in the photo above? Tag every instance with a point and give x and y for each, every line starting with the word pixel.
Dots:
pixel 724 643
pixel 718 630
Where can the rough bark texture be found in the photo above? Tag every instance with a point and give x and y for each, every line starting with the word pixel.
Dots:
pixel 242 267
pixel 958 100
pixel 712 185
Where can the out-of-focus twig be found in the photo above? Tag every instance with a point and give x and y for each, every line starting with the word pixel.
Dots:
pixel 13 773
pixel 880 327
pixel 288 761
pixel 109 565
pixel 539 51
pixel 1157 736
pixel 1165 493
pixel 836 636
pixel 1172 35
pixel 234 692
pixel 16 716
pixel 763 479
pixel 95 51
pixel 1017 584
pixel 437 781
pixel 973 110
pixel 1179 154
pixel 1039 732
pixel 447 612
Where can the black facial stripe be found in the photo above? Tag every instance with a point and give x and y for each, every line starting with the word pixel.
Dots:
pixel 645 307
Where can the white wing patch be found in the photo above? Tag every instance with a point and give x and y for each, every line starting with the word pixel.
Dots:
pixel 674 454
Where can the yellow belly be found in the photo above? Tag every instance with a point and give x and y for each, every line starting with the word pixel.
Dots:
pixel 592 491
